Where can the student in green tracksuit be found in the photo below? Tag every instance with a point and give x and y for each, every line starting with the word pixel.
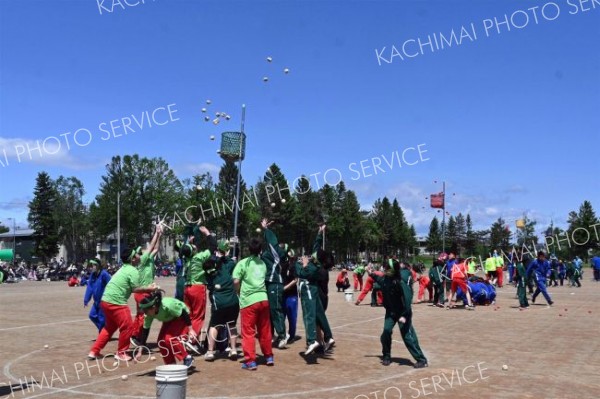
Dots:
pixel 307 270
pixel 437 279
pixel 397 299
pixel 225 306
pixel 521 278
pixel 273 256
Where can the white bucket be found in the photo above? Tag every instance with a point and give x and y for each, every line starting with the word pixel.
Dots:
pixel 171 381
pixel 349 295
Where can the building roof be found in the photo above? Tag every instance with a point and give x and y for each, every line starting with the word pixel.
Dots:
pixel 17 233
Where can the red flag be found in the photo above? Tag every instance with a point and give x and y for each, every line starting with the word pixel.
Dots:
pixel 437 200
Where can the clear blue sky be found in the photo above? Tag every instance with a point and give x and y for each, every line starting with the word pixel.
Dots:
pixel 509 120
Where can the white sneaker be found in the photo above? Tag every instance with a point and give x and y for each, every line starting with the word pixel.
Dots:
pixel 328 344
pixel 209 356
pixel 282 343
pixel 311 348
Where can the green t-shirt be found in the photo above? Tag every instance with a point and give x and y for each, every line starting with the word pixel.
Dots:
pixel 146 269
pixel 471 266
pixel 251 272
pixel 119 288
pixel 490 264
pixel 170 309
pixel 194 272
pixel 499 261
pixel 359 270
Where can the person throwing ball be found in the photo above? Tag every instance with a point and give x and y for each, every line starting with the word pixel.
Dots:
pixel 397 298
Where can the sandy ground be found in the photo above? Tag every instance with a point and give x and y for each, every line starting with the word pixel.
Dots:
pixel 550 352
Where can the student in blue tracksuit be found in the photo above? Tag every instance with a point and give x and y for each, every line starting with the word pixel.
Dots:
pixel 95 288
pixel 479 293
pixel 562 271
pixel 491 293
pixel 539 268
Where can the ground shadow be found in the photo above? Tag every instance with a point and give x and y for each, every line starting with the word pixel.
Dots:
pixel 11 389
pixel 399 360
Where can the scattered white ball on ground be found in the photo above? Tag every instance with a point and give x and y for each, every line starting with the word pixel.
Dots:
pixel 258 230
pixel 505 367
pixel 212 138
pixel 46 346
pixel 116 364
pixel 269 59
pixel 265 79
pixel 272 205
pixel 286 70
pixel 283 200
pixel 124 377
pixel 153 358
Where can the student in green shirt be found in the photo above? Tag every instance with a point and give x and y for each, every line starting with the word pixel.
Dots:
pixel 146 271
pixel 194 294
pixel 177 326
pixel 274 255
pixel 114 304
pixel 225 305
pixel 397 298
pixel 249 281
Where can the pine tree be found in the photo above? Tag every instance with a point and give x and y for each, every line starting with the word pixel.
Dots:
pixel 470 237
pixel 42 218
pixel 582 234
pixel 434 238
pixel 500 236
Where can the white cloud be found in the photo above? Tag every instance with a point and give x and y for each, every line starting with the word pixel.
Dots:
pixel 200 168
pixel 50 151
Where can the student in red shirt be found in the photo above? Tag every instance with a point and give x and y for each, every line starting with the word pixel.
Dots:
pixel 459 279
pixel 73 282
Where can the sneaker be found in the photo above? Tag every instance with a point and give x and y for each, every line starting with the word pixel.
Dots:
pixel 188 361
pixel 123 357
pixel 386 361
pixel 270 361
pixel 470 307
pixel 94 356
pixel 191 348
pixel 327 345
pixel 282 343
pixel 249 366
pixel 209 356
pixel 532 300
pixel 421 364
pixel 135 342
pixel 311 348
pixel 550 303
pixel 233 355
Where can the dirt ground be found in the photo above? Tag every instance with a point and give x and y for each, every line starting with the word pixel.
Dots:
pixel 550 352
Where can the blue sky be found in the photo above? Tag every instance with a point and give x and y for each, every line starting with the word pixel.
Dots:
pixel 509 120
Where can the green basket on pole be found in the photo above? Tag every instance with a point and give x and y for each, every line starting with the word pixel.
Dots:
pixel 233 146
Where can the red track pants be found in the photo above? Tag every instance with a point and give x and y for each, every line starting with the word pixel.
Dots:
pixel 256 318
pixel 118 317
pixel 194 297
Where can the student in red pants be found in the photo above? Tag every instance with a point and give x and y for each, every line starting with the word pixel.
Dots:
pixel 368 286
pixel 358 273
pixel 176 327
pixel 424 284
pixel 194 294
pixel 147 272
pixel 114 304
pixel 249 281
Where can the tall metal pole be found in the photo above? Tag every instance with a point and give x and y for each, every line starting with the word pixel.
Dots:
pixel 444 217
pixel 237 198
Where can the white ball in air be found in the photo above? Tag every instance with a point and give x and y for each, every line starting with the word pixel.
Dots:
pixel 212 138
pixel 273 205
pixel 269 59
pixel 283 200
pixel 265 79
pixel 286 70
